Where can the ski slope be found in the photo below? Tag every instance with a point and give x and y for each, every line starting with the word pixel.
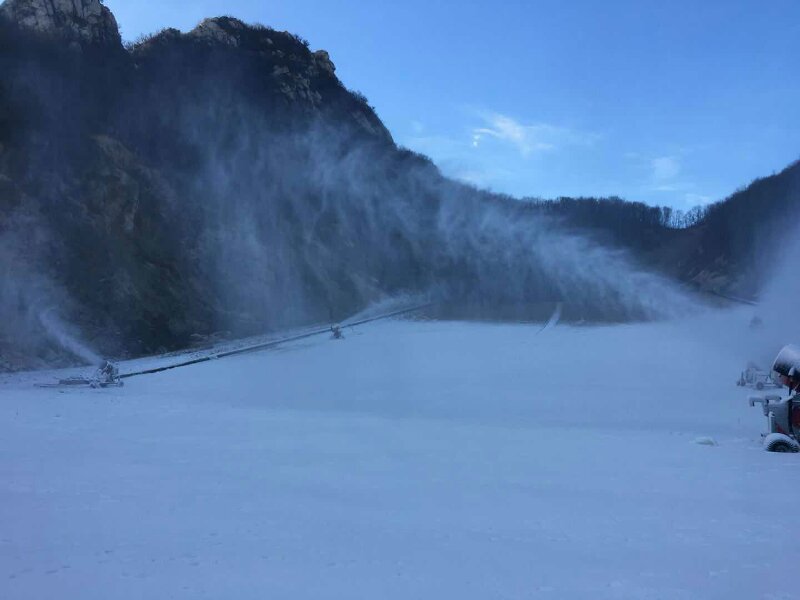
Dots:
pixel 410 460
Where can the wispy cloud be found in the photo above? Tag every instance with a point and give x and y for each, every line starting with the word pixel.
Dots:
pixel 495 151
pixel 669 187
pixel 665 169
pixel 666 175
pixel 528 139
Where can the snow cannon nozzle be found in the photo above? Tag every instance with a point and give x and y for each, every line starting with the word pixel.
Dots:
pixel 787 366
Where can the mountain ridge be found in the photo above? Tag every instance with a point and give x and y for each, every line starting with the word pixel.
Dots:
pixel 224 179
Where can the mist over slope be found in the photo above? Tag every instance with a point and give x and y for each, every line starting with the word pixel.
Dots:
pixel 729 247
pixel 225 179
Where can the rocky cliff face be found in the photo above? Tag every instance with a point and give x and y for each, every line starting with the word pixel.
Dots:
pixel 160 193
pixel 86 21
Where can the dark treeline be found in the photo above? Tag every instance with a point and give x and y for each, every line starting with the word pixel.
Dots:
pixel 728 246
pixel 748 231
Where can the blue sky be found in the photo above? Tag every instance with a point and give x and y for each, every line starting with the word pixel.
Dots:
pixel 671 103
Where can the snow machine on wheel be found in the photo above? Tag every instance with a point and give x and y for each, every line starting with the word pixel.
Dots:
pixel 783 414
pixel 754 377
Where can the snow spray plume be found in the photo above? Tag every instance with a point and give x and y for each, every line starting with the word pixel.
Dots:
pixel 311 226
pixel 29 331
pixel 756 334
pixel 389 305
pixel 778 310
pixel 66 338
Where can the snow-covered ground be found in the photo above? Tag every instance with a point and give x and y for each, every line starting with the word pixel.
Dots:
pixel 411 460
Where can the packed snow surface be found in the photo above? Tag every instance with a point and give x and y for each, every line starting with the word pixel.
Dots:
pixel 410 460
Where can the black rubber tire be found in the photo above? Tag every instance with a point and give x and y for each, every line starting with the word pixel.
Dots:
pixel 781 446
pixel 760 385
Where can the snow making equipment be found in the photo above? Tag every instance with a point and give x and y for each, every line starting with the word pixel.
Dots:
pixel 754 377
pixel 106 376
pixel 783 414
pixel 788 364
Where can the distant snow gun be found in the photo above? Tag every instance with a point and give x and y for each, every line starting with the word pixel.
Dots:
pixel 753 377
pixel 783 414
pixel 106 376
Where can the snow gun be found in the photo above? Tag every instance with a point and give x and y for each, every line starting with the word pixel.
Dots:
pixel 783 414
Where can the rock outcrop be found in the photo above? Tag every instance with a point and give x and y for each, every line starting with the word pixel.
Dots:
pixel 306 80
pixel 219 30
pixel 84 21
pixel 324 62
